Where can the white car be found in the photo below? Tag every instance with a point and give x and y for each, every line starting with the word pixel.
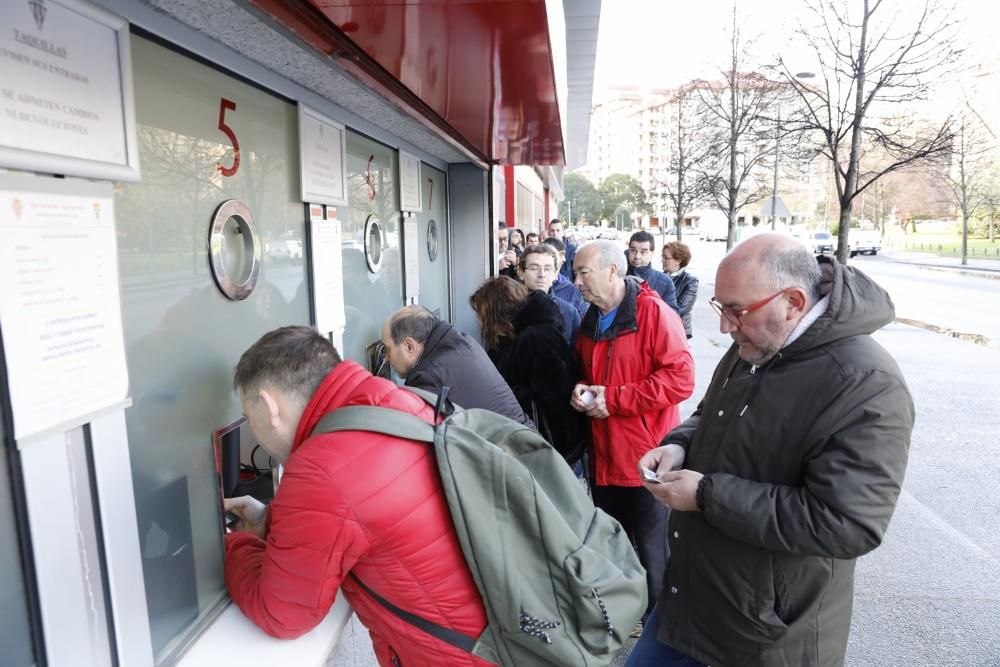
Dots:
pixel 818 241
pixel 290 249
pixel 863 242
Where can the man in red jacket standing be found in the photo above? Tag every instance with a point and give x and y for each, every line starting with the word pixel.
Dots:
pixel 636 369
pixel 354 503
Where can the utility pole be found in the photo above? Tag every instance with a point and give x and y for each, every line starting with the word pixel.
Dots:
pixel 777 154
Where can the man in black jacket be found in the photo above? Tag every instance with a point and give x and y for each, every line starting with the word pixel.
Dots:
pixel 793 463
pixel 430 354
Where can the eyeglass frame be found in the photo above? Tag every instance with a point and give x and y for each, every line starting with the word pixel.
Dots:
pixel 752 308
pixel 535 268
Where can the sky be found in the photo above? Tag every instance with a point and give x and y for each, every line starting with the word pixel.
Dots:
pixel 663 43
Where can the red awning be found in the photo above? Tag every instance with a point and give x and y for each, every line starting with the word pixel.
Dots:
pixel 478 71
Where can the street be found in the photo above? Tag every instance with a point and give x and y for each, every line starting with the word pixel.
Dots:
pixel 930 595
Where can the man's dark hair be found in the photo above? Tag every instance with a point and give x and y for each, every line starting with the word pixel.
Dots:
pixel 415 322
pixel 555 221
pixel 643 237
pixel 555 243
pixel 537 249
pixel 293 360
pixel 501 225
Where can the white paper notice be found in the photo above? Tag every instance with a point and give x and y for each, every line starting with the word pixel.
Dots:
pixel 411 255
pixel 59 308
pixel 409 182
pixel 328 272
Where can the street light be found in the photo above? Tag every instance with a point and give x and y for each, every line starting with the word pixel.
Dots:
pixel 777 155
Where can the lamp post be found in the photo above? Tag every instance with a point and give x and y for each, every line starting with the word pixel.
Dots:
pixel 777 155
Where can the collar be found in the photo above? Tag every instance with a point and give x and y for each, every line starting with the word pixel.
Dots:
pixel 807 320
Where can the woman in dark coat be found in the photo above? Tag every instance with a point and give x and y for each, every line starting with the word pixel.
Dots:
pixel 676 256
pixel 521 332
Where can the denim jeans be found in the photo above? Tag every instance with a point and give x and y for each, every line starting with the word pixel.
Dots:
pixel 651 652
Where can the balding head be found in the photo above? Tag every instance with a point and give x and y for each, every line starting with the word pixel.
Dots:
pixel 404 335
pixel 777 260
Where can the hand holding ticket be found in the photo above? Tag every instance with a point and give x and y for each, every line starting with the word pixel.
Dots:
pixel 649 476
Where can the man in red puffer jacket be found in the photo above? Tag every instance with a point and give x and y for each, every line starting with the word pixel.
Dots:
pixel 349 502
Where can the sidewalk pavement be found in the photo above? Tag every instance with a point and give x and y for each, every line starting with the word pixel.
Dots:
pixel 979 267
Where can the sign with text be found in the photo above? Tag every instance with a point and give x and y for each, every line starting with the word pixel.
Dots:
pixel 59 302
pixel 409 182
pixel 325 237
pixel 323 152
pixel 66 92
pixel 411 256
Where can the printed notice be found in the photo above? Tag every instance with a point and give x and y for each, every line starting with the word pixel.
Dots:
pixel 61 93
pixel 60 311
pixel 323 158
pixel 328 271
pixel 411 255
pixel 409 182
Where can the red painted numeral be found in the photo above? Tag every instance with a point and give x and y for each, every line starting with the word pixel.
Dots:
pixel 225 105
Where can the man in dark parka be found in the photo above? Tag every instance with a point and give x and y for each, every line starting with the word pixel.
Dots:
pixel 792 465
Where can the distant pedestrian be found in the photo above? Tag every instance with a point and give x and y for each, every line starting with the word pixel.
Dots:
pixel 675 258
pixel 556 231
pixel 517 240
pixel 520 328
pixel 530 239
pixel 640 253
pixel 563 287
pixel 429 353
pixel 506 257
pixel 793 463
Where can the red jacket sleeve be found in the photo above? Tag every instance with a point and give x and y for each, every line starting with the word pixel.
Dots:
pixel 671 379
pixel 287 584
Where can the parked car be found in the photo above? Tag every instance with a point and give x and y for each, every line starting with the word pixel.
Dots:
pixel 289 249
pixel 818 241
pixel 863 242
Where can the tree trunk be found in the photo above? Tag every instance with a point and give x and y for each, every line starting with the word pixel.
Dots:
pixel 843 249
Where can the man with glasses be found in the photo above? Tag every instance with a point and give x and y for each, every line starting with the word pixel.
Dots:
pixel 792 465
pixel 537 268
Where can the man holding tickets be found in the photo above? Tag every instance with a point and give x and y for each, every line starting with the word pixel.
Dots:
pixel 793 463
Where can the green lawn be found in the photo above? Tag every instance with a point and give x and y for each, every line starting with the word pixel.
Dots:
pixel 942 244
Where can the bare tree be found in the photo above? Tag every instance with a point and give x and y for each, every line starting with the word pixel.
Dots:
pixel 874 66
pixel 742 112
pixel 970 162
pixel 688 148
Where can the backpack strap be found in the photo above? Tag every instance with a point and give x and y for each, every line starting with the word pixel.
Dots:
pixel 375 420
pixel 457 639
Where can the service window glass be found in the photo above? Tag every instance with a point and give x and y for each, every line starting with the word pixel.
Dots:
pixel 204 138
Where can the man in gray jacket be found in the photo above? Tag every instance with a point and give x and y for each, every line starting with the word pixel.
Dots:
pixel 792 465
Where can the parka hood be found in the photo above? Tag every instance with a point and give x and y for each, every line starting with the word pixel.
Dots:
pixel 858 305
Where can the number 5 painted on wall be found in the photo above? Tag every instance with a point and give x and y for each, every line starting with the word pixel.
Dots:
pixel 225 105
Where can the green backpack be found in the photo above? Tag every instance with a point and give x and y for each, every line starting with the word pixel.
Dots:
pixel 559 579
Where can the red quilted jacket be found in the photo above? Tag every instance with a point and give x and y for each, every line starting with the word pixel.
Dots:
pixel 362 503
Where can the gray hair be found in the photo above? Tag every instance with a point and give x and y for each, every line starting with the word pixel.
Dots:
pixel 609 253
pixel 792 266
pixel 414 322
pixel 293 360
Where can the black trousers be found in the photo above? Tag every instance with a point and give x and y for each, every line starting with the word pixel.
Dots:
pixel 644 520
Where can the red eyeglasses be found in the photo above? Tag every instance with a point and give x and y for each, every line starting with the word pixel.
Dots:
pixel 736 316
